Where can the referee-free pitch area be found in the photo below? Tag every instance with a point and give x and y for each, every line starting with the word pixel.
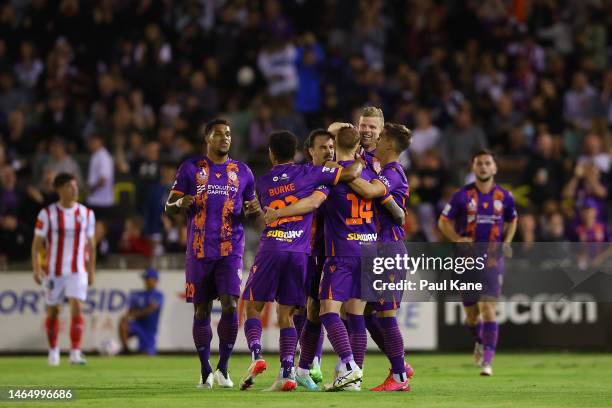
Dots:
pixel 441 380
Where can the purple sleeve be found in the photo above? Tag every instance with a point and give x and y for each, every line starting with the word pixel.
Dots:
pixel 509 208
pixel 323 175
pixel 323 189
pixel 249 189
pixel 453 207
pixel 391 179
pixel 181 182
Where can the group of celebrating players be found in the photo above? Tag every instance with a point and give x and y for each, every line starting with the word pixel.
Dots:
pixel 318 217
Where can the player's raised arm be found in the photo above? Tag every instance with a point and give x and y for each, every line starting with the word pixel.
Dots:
pixel 303 206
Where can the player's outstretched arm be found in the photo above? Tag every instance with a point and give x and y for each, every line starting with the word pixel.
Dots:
pixel 176 202
pixel 303 206
pixel 37 246
pixel 398 214
pixel 368 190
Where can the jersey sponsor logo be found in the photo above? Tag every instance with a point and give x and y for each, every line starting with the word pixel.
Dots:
pixel 521 309
pixel 283 176
pixel 354 236
pixel 284 234
pixel 384 180
pixel 487 219
pixel 331 170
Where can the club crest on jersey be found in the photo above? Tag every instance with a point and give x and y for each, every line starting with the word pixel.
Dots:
pixel 472 205
pixel 498 205
pixel 202 173
pixel 232 175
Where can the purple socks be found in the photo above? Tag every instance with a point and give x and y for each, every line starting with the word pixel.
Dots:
pixel 337 335
pixel 394 344
pixel 287 343
pixel 309 343
pixel 202 336
pixel 298 322
pixel 252 331
pixel 490 331
pixel 227 332
pixel 376 333
pixel 357 337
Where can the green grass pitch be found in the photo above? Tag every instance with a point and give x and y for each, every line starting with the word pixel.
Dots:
pixel 442 380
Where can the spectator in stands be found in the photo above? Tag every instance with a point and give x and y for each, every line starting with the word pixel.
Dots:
pixel 580 102
pixel 586 183
pixel 142 317
pixel 544 173
pixel 59 161
pixel 133 241
pixel 14 230
pixel 100 177
pixel 588 228
pixel 59 120
pixel 461 141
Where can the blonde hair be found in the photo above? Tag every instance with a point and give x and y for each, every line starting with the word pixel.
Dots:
pixel 373 112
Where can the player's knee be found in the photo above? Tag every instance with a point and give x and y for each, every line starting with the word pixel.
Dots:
pixel 202 311
pixel 228 304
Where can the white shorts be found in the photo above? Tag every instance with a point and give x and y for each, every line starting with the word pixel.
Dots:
pixel 58 288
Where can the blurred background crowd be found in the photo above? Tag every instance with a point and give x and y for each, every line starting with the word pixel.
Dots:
pixel 117 91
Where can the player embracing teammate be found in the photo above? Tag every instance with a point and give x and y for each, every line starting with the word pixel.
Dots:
pixel 279 272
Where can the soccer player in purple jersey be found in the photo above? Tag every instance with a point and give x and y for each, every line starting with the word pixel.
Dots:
pixel 371 123
pixel 482 211
pixel 391 188
pixel 279 270
pixel 318 148
pixel 215 192
pixel 350 223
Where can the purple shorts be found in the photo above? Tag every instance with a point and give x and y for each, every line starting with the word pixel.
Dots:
pixel 341 278
pixel 207 279
pixel 492 280
pixel 278 276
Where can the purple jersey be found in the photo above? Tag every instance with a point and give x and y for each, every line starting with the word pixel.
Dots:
pixel 371 161
pixel 480 216
pixel 284 185
pixel 349 219
pixel 597 233
pixel 214 226
pixel 396 183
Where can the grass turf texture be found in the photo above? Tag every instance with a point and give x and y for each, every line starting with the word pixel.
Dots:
pixel 442 380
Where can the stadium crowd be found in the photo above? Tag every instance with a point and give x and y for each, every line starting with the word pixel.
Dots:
pixel 117 92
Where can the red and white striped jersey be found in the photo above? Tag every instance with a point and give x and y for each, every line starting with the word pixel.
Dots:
pixel 66 231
